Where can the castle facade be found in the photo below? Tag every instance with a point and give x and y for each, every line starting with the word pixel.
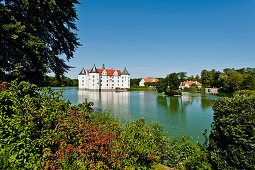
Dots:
pixel 104 79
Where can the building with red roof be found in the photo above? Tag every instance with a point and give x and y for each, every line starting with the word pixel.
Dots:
pixel 104 79
pixel 147 80
pixel 189 83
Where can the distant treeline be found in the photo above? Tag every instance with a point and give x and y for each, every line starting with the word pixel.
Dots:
pixel 41 81
pixel 230 80
pixel 54 82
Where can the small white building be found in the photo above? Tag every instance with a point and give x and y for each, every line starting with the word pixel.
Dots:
pixel 147 80
pixel 104 79
pixel 189 83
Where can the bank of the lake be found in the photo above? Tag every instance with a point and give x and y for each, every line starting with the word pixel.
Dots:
pixel 188 115
pixel 142 89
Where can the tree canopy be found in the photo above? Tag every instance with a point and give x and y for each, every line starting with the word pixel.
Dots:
pixel 169 85
pixel 37 35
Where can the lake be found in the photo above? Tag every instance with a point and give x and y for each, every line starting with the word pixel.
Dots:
pixel 189 114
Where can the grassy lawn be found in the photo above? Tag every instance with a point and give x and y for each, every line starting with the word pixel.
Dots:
pixel 138 88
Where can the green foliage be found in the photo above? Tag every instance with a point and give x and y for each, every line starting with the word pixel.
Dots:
pixel 169 85
pixel 141 88
pixel 182 76
pixel 134 82
pixel 232 136
pixel 151 84
pixel 34 34
pixel 230 80
pixel 144 145
pixel 245 92
pixel 54 82
pixel 192 89
pixel 39 130
pixel 186 153
pixel 27 119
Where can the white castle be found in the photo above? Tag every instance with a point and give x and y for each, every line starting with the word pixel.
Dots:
pixel 104 79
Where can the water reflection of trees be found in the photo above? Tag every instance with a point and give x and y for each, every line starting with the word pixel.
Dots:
pixel 172 104
pixel 206 103
pixel 179 104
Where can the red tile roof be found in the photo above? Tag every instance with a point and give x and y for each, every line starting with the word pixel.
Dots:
pixel 192 82
pixel 149 80
pixel 108 71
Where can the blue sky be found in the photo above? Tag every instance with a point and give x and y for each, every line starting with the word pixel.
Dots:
pixel 153 38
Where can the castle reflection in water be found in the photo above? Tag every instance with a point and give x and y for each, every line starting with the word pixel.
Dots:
pixel 106 100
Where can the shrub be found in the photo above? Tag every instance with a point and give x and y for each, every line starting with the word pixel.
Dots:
pixel 25 118
pixel 185 153
pixel 245 92
pixel 39 130
pixel 232 139
pixel 144 145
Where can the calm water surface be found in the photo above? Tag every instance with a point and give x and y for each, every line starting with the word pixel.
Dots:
pixel 188 115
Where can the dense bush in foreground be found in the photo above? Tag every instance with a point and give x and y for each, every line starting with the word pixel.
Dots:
pixel 232 139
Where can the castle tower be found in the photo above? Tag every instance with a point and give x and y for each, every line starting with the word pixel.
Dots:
pixel 94 79
pixel 82 79
pixel 125 79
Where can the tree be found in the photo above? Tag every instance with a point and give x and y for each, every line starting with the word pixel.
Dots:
pixel 232 80
pixel 169 85
pixel 232 135
pixel 205 78
pixel 182 76
pixel 34 34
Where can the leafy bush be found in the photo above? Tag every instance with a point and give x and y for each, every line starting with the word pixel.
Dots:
pixel 144 145
pixel 184 152
pixel 232 139
pixel 43 131
pixel 245 92
pixel 26 119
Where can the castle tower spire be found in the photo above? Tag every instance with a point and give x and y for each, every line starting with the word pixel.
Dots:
pixel 94 69
pixel 125 72
pixel 83 72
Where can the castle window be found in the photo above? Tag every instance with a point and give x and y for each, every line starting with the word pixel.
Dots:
pixel 82 77
pixel 122 81
pixel 82 80
pixel 93 76
pixel 112 80
pixel 112 84
pixel 106 84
